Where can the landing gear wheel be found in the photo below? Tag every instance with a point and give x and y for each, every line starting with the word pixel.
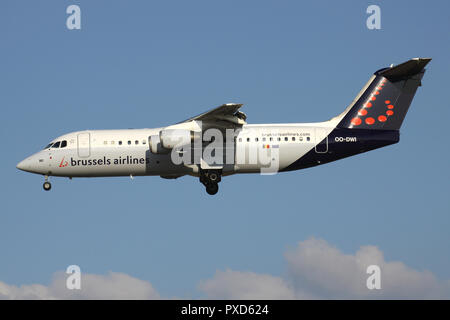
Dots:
pixel 47 186
pixel 213 177
pixel 212 188
pixel 210 179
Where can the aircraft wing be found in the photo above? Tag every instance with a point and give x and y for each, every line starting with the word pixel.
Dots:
pixel 226 115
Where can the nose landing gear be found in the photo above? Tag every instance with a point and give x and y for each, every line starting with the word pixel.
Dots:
pixel 47 185
pixel 210 179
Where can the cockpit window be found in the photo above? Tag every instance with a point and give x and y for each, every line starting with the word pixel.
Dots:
pixel 56 145
pixel 49 145
pixel 63 144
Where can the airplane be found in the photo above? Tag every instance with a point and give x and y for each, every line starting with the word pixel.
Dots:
pixel 196 146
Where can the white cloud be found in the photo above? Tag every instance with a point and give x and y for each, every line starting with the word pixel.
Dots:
pixel 315 270
pixel 246 285
pixel 318 270
pixel 26 292
pixel 111 286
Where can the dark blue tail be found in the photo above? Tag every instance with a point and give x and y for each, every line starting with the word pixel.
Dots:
pixel 386 99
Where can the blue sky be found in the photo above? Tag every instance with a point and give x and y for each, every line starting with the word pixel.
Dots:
pixel 144 64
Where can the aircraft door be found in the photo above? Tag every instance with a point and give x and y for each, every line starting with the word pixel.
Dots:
pixel 84 145
pixel 321 140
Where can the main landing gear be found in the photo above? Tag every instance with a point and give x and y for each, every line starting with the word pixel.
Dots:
pixel 211 179
pixel 47 185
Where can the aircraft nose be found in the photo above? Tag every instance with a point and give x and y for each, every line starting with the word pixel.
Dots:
pixel 24 165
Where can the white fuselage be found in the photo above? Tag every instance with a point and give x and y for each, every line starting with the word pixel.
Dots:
pixel 101 153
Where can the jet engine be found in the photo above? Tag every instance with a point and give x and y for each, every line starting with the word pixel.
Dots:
pixel 169 138
pixel 155 145
pixel 174 137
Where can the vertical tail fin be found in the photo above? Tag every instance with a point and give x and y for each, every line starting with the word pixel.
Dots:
pixel 387 97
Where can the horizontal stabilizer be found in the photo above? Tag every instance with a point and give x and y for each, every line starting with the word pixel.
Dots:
pixel 404 70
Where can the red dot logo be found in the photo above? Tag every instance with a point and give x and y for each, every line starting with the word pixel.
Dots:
pixel 362 112
pixel 382 118
pixel 361 116
pixel 356 121
pixel 370 121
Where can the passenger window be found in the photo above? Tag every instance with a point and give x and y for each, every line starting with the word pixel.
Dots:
pixel 293 138
pixel 112 142
pixel 300 139
pixel 143 141
pixel 129 142
pixel 136 142
pixel 270 138
pixel 56 145
pixel 264 139
pixel 248 139
pixel 279 139
pixel 286 138
pixel 308 138
pixel 256 139
pixel 63 144
pixel 120 143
